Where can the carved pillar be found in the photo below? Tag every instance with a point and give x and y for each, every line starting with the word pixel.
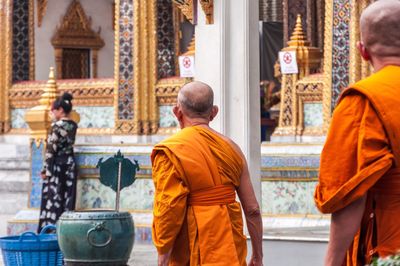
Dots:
pixel 336 54
pixel 94 63
pixel 6 65
pixel 136 69
pixel 145 67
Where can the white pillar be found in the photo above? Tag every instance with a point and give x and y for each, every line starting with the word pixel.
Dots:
pixel 227 58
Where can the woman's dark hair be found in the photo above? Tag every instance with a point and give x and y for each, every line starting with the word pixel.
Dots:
pixel 64 102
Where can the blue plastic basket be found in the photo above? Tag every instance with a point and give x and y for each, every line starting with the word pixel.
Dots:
pixel 31 249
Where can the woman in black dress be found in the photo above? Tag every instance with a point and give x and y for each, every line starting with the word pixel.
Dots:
pixel 59 172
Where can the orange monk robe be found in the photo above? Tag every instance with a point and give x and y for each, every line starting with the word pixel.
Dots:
pixel 360 149
pixel 193 160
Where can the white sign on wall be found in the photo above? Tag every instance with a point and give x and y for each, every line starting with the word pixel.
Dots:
pixel 186 66
pixel 288 62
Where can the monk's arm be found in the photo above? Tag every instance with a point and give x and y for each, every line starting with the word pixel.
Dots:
pixel 252 213
pixel 344 226
pixel 169 203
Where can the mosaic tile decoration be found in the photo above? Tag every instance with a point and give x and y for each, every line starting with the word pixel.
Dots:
pixel 20 40
pixel 279 196
pixel 18 118
pixel 288 161
pixel 87 161
pixel 125 86
pixel 166 39
pixel 294 174
pixel 94 195
pixel 313 115
pixel 288 198
pixel 340 47
pixel 37 155
pixel 96 116
pixel 167 117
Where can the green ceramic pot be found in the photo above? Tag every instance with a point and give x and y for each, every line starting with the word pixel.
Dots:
pixel 96 237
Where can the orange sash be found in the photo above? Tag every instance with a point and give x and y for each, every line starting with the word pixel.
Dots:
pixel 218 195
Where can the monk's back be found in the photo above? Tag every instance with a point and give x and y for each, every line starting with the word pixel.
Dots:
pixel 200 152
pixel 383 90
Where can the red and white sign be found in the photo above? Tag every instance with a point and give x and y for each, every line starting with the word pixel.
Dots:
pixel 288 62
pixel 186 66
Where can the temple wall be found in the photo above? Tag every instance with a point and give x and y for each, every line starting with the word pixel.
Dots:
pixel 288 179
pixel 102 17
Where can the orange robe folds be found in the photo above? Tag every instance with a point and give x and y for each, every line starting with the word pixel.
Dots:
pixel 361 156
pixel 195 174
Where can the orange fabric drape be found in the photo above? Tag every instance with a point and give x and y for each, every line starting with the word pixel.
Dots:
pixel 360 153
pixel 187 167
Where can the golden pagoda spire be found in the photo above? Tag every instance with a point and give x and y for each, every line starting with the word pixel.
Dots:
pixel 50 91
pixel 38 118
pixel 298 38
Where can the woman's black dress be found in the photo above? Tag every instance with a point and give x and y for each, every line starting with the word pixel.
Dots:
pixel 59 187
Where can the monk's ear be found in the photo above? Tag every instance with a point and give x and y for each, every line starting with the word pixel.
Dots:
pixel 177 111
pixel 214 112
pixel 363 51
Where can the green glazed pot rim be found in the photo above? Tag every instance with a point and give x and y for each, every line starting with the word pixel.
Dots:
pixel 94 215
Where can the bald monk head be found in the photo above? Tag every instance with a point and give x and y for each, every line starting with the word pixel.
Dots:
pixel 380 33
pixel 195 104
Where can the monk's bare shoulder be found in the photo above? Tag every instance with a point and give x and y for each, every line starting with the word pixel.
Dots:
pixel 234 146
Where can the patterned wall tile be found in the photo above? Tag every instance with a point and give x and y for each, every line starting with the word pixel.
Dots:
pixel 340 47
pixel 303 161
pixel 94 195
pixel 290 174
pixel 125 87
pixel 312 209
pixel 288 197
pixel 91 117
pixel 96 116
pixel 20 50
pixel 37 156
pixel 167 117
pixel 18 118
pixel 166 39
pixel 88 159
pixel 313 115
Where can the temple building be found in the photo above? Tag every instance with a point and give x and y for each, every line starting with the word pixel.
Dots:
pixel 120 60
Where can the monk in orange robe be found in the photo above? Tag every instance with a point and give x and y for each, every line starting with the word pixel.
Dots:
pixel 359 180
pixel 197 173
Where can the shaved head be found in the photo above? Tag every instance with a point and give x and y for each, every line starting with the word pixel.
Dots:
pixel 380 28
pixel 196 99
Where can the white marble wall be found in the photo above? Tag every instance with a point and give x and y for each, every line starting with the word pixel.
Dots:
pixel 101 13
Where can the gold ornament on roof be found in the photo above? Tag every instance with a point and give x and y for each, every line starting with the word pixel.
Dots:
pixel 208 8
pixel 186 6
pixel 41 10
pixel 75 30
